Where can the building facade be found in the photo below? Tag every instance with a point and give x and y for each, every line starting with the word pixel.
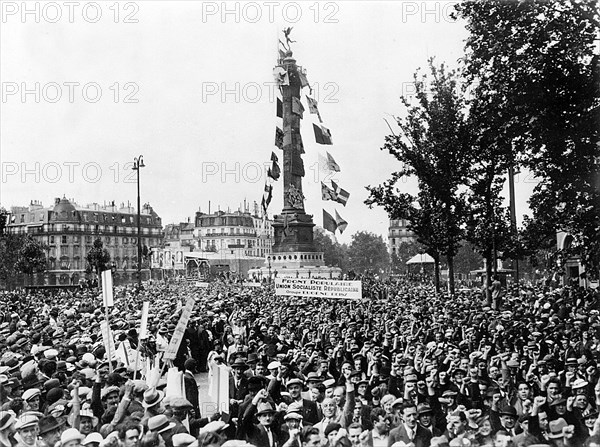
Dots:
pixel 69 231
pixel 398 233
pixel 239 233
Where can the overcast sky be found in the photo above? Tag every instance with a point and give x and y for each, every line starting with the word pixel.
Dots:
pixel 189 85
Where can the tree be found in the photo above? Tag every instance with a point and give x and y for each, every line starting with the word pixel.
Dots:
pixel 467 259
pixel 10 244
pixel 536 65
pixel 403 253
pixel 334 253
pixel 20 254
pixel 433 146
pixel 98 257
pixel 32 256
pixel 367 253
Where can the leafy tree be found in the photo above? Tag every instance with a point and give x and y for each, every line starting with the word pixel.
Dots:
pixel 367 253
pixel 334 253
pixel 20 254
pixel 32 256
pixel 467 259
pixel 536 67
pixel 98 257
pixel 10 245
pixel 404 252
pixel 434 147
pixel 3 220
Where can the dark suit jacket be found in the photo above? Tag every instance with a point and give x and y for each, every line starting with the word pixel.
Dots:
pixel 310 412
pixel 422 437
pixel 256 434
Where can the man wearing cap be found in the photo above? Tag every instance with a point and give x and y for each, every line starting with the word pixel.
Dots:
pixel 7 429
pixel 409 431
pixel 310 411
pixel 49 430
pixel 238 384
pixel 27 430
pixel 266 433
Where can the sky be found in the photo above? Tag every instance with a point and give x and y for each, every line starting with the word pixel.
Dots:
pixel 88 86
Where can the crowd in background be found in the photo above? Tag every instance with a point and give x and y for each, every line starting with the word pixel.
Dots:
pixel 404 367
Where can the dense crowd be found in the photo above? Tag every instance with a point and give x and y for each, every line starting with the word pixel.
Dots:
pixel 405 367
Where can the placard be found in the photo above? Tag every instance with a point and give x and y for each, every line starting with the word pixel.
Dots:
pixel 320 288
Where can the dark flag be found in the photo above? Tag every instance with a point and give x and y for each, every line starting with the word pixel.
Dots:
pixel 274 172
pixel 322 134
pixel 327 193
pixel 341 195
pixel 329 222
pixel 312 107
pixel 279 108
pixel 267 196
pixel 341 223
pixel 279 138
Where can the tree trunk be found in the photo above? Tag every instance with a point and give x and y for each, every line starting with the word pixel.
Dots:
pixel 450 260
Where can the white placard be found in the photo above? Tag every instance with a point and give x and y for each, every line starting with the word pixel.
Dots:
pixel 319 288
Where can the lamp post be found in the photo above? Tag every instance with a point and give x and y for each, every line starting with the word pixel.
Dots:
pixel 138 163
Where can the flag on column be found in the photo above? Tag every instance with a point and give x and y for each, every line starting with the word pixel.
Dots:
pixel 329 222
pixel 312 107
pixel 279 138
pixel 327 193
pixel 267 196
pixel 297 107
pixel 281 76
pixel 322 134
pixel 340 223
pixel 279 108
pixel 328 163
pixel 341 194
pixel 274 172
pixel 303 79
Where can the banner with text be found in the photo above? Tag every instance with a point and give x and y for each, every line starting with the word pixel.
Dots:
pixel 320 288
pixel 171 351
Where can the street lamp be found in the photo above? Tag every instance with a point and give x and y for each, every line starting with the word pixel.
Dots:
pixel 138 163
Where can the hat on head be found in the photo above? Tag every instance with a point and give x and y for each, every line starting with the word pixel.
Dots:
pixel 30 394
pixel 152 397
pixel 449 393
pixel 332 426
pixel 182 439
pixel 93 437
pixel 329 383
pixel 160 423
pixel 70 434
pixel 180 403
pixel 424 408
pixel 26 420
pixel 239 363
pixel 313 377
pixel 273 365
pixel 294 381
pixel 264 408
pixel 509 410
pixel 47 424
pixel 109 390
pixel 7 418
pixel 556 428
pixel 579 383
pixel 255 383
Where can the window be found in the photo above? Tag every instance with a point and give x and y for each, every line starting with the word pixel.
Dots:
pixel 63 239
pixel 22 218
pixel 76 239
pixel 125 241
pixel 52 239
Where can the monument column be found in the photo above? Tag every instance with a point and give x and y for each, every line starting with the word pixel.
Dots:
pixel 293 228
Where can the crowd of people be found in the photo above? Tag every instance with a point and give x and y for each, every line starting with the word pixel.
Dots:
pixel 405 367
